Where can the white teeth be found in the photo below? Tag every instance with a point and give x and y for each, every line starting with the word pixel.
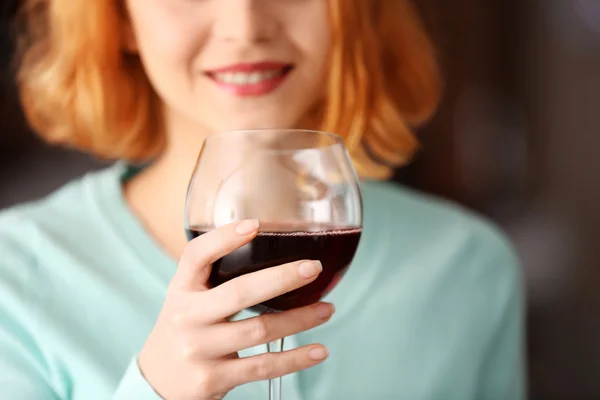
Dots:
pixel 239 79
pixel 246 78
pixel 224 77
pixel 254 77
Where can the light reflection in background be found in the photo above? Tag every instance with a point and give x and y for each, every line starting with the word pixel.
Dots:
pixel 589 12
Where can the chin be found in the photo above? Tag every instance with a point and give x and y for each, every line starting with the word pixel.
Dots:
pixel 264 122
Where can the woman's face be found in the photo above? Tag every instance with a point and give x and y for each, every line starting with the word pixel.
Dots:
pixel 234 64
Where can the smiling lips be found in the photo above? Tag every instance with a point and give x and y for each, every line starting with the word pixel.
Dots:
pixel 254 79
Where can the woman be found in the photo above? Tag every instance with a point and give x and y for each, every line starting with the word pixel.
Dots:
pixel 102 297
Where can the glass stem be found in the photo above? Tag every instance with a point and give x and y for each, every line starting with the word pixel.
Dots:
pixel 275 384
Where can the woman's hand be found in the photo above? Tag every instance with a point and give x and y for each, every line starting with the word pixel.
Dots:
pixel 192 351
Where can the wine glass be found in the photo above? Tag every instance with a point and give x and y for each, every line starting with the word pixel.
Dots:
pixel 301 186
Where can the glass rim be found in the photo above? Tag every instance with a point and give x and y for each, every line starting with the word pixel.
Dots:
pixel 337 139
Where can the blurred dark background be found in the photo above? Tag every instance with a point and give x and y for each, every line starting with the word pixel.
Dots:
pixel 515 139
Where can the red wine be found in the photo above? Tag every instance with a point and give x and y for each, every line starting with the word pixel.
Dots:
pixel 335 249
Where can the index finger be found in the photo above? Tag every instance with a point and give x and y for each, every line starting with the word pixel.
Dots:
pixel 194 266
pixel 254 288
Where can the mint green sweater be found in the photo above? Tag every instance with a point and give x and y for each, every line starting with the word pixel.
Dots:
pixel 431 307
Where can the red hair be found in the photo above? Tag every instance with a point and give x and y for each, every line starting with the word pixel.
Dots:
pixel 80 89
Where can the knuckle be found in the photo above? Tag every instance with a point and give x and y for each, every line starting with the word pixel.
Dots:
pixel 177 313
pixel 194 252
pixel 236 293
pixel 262 368
pixel 206 385
pixel 292 364
pixel 304 321
pixel 179 320
pixel 189 251
pixel 258 330
pixel 188 349
pixel 281 277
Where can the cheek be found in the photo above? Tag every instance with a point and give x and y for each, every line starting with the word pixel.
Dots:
pixel 315 46
pixel 313 41
pixel 167 48
pixel 319 53
pixel 167 52
pixel 316 39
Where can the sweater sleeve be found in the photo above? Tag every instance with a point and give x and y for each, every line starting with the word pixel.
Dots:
pixel 23 372
pixel 502 373
pixel 134 385
pixel 22 375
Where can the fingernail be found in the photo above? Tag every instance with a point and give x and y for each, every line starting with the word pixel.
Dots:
pixel 325 310
pixel 318 353
pixel 308 269
pixel 247 227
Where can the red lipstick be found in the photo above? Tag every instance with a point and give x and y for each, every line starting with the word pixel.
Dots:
pixel 250 79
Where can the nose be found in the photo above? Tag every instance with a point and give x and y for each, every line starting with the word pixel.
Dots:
pixel 244 21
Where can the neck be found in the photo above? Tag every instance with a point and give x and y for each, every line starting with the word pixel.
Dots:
pixel 157 194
